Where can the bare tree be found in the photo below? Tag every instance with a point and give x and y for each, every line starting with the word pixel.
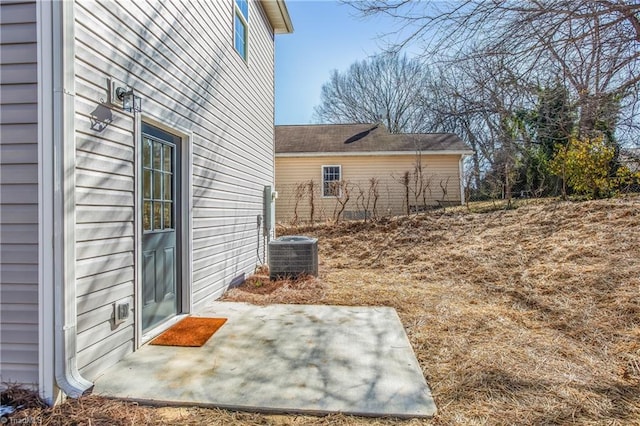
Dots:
pixel 480 99
pixel 593 45
pixel 312 204
pixel 388 88
pixel 373 196
pixel 343 188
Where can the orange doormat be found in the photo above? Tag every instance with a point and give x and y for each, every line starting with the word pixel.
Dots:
pixel 191 331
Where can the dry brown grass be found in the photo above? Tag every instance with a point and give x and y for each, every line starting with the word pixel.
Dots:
pixel 524 316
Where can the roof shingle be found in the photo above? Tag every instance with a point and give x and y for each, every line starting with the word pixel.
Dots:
pixel 360 138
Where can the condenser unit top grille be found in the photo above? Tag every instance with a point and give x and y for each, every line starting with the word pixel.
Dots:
pixel 293 255
pixel 289 239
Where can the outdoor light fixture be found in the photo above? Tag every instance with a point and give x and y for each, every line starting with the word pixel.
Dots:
pixel 130 102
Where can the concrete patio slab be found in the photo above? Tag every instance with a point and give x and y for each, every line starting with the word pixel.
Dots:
pixel 284 358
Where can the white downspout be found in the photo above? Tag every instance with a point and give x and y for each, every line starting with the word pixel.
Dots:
pixel 67 375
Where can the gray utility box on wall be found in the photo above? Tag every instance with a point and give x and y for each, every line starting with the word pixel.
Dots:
pixel 292 256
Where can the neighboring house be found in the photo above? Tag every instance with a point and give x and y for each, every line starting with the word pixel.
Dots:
pixel 119 216
pixel 354 171
pixel 630 157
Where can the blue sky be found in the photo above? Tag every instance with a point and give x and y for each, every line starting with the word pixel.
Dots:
pixel 327 35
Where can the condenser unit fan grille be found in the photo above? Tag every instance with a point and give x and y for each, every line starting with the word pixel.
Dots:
pixel 292 256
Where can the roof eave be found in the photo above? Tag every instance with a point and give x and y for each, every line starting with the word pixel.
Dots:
pixel 278 16
pixel 372 153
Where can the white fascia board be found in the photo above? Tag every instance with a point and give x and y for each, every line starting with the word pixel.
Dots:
pixel 369 153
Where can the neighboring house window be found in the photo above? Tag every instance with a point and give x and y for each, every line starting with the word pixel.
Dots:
pixel 331 177
pixel 241 27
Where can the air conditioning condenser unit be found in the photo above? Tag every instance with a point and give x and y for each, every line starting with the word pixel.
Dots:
pixel 292 256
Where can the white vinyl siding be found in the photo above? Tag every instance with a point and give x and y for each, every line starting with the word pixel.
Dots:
pixel 176 55
pixel 18 194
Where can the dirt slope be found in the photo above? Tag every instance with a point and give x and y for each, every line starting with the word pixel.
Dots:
pixel 523 316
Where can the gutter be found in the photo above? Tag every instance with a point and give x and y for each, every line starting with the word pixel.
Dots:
pixel 67 376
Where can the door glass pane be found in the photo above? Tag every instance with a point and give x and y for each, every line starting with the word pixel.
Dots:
pixel 168 217
pixel 157 153
pixel 167 158
pixel 157 215
pixel 146 152
pixel 167 187
pixel 157 185
pixel 146 185
pixel 146 216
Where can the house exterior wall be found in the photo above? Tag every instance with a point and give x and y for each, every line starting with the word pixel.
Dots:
pixel 18 193
pixel 179 58
pixel 440 177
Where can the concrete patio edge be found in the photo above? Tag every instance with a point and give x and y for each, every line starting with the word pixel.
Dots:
pixel 304 359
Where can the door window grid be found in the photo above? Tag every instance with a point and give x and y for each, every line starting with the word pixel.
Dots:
pixel 158 188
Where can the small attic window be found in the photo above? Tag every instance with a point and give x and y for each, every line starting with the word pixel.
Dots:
pixel 331 177
pixel 241 27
